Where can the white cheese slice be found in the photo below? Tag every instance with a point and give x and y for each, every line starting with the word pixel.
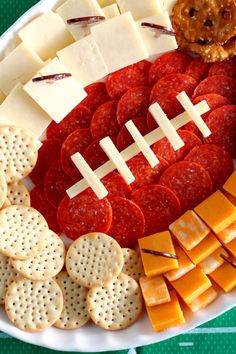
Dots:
pixel 92 180
pixel 18 67
pixel 119 41
pixel 46 35
pixel 57 97
pixel 104 3
pixel 79 8
pixel 84 60
pixel 142 144
pixel 168 5
pixel 2 97
pixel 5 121
pixel 111 11
pixel 157 43
pixel 140 9
pixel 185 101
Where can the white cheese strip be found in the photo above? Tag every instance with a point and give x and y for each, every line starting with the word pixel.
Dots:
pixel 2 97
pixel 185 101
pixel 79 8
pixel 142 144
pixel 140 9
pixel 18 67
pixel 166 126
pixel 119 42
pixel 57 97
pixel 89 176
pixel 84 60
pixel 111 11
pixel 46 35
pixel 133 149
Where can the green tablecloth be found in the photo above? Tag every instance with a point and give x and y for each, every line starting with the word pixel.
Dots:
pixel 215 337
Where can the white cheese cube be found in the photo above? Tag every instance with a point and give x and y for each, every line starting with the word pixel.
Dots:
pixel 111 11
pixel 46 34
pixel 140 8
pixel 119 41
pixel 84 60
pixel 157 43
pixel 79 8
pixel 19 66
pixel 2 97
pixel 104 3
pixel 56 97
pixel 168 5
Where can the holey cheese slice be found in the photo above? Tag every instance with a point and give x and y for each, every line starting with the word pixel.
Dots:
pixel 140 9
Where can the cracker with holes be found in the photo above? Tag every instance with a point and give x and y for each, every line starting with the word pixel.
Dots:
pixel 23 232
pixel 33 305
pixel 45 264
pixel 7 274
pixel 94 260
pixel 74 314
pixel 18 153
pixel 18 194
pixel 3 189
pixel 116 305
pixel 133 265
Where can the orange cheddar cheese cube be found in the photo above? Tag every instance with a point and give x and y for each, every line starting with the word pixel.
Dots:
pixel 228 234
pixel 154 290
pixel 231 247
pixel 166 315
pixel 192 285
pixel 214 261
pixel 232 199
pixel 189 230
pixel 225 277
pixel 217 212
pixel 204 249
pixel 185 265
pixel 155 265
pixel 230 184
pixel 203 300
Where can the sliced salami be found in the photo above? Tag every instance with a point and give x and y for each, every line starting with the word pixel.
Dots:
pixel 198 69
pixel 133 103
pixel 189 181
pixel 52 131
pixel 124 139
pixel 127 222
pixel 104 122
pixel 164 149
pixel 159 205
pixel 75 142
pixel 173 82
pixel 219 84
pixel 222 123
pixel 94 155
pixel 56 183
pixel 116 185
pixel 215 160
pixel 97 95
pixel 226 68
pixel 83 214
pixel 169 63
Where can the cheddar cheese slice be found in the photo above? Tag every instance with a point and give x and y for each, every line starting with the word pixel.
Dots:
pixel 203 300
pixel 214 261
pixel 232 199
pixel 231 247
pixel 185 265
pixel 230 184
pixel 228 234
pixel 225 277
pixel 155 291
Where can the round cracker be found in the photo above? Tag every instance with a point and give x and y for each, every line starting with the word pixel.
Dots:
pixel 116 305
pixel 23 232
pixel 75 313
pixel 33 305
pixel 18 194
pixel 18 153
pixel 45 264
pixel 133 265
pixel 3 189
pixel 94 260
pixel 7 274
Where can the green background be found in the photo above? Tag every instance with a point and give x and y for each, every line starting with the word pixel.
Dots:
pixel 215 337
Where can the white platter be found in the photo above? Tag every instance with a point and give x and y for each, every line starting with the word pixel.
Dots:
pixel 91 338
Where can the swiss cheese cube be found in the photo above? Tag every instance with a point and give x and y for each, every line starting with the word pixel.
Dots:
pixel 154 290
pixel 119 41
pixel 46 35
pixel 228 234
pixel 231 247
pixel 57 97
pixel 18 67
pixel 111 11
pixel 2 97
pixel 217 212
pixel 155 265
pixel 203 300
pixel 185 265
pixel 225 277
pixel 230 184
pixel 140 9
pixel 192 285
pixel 189 230
pixel 166 315
pixel 214 261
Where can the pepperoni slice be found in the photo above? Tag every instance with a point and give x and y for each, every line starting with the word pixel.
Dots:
pixel 169 63
pixel 159 205
pixel 215 160
pixel 131 76
pixel 40 202
pixel 94 155
pixel 104 122
pixel 226 68
pixel 116 185
pixel 97 95
pixel 47 155
pixel 52 131
pixel 173 82
pixel 198 69
pixel 127 222
pixel 124 139
pixel 83 214
pixel 75 142
pixel 222 123
pixel 220 84
pixel 189 181
pixel 164 149
pixel 133 103
pixel 56 183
